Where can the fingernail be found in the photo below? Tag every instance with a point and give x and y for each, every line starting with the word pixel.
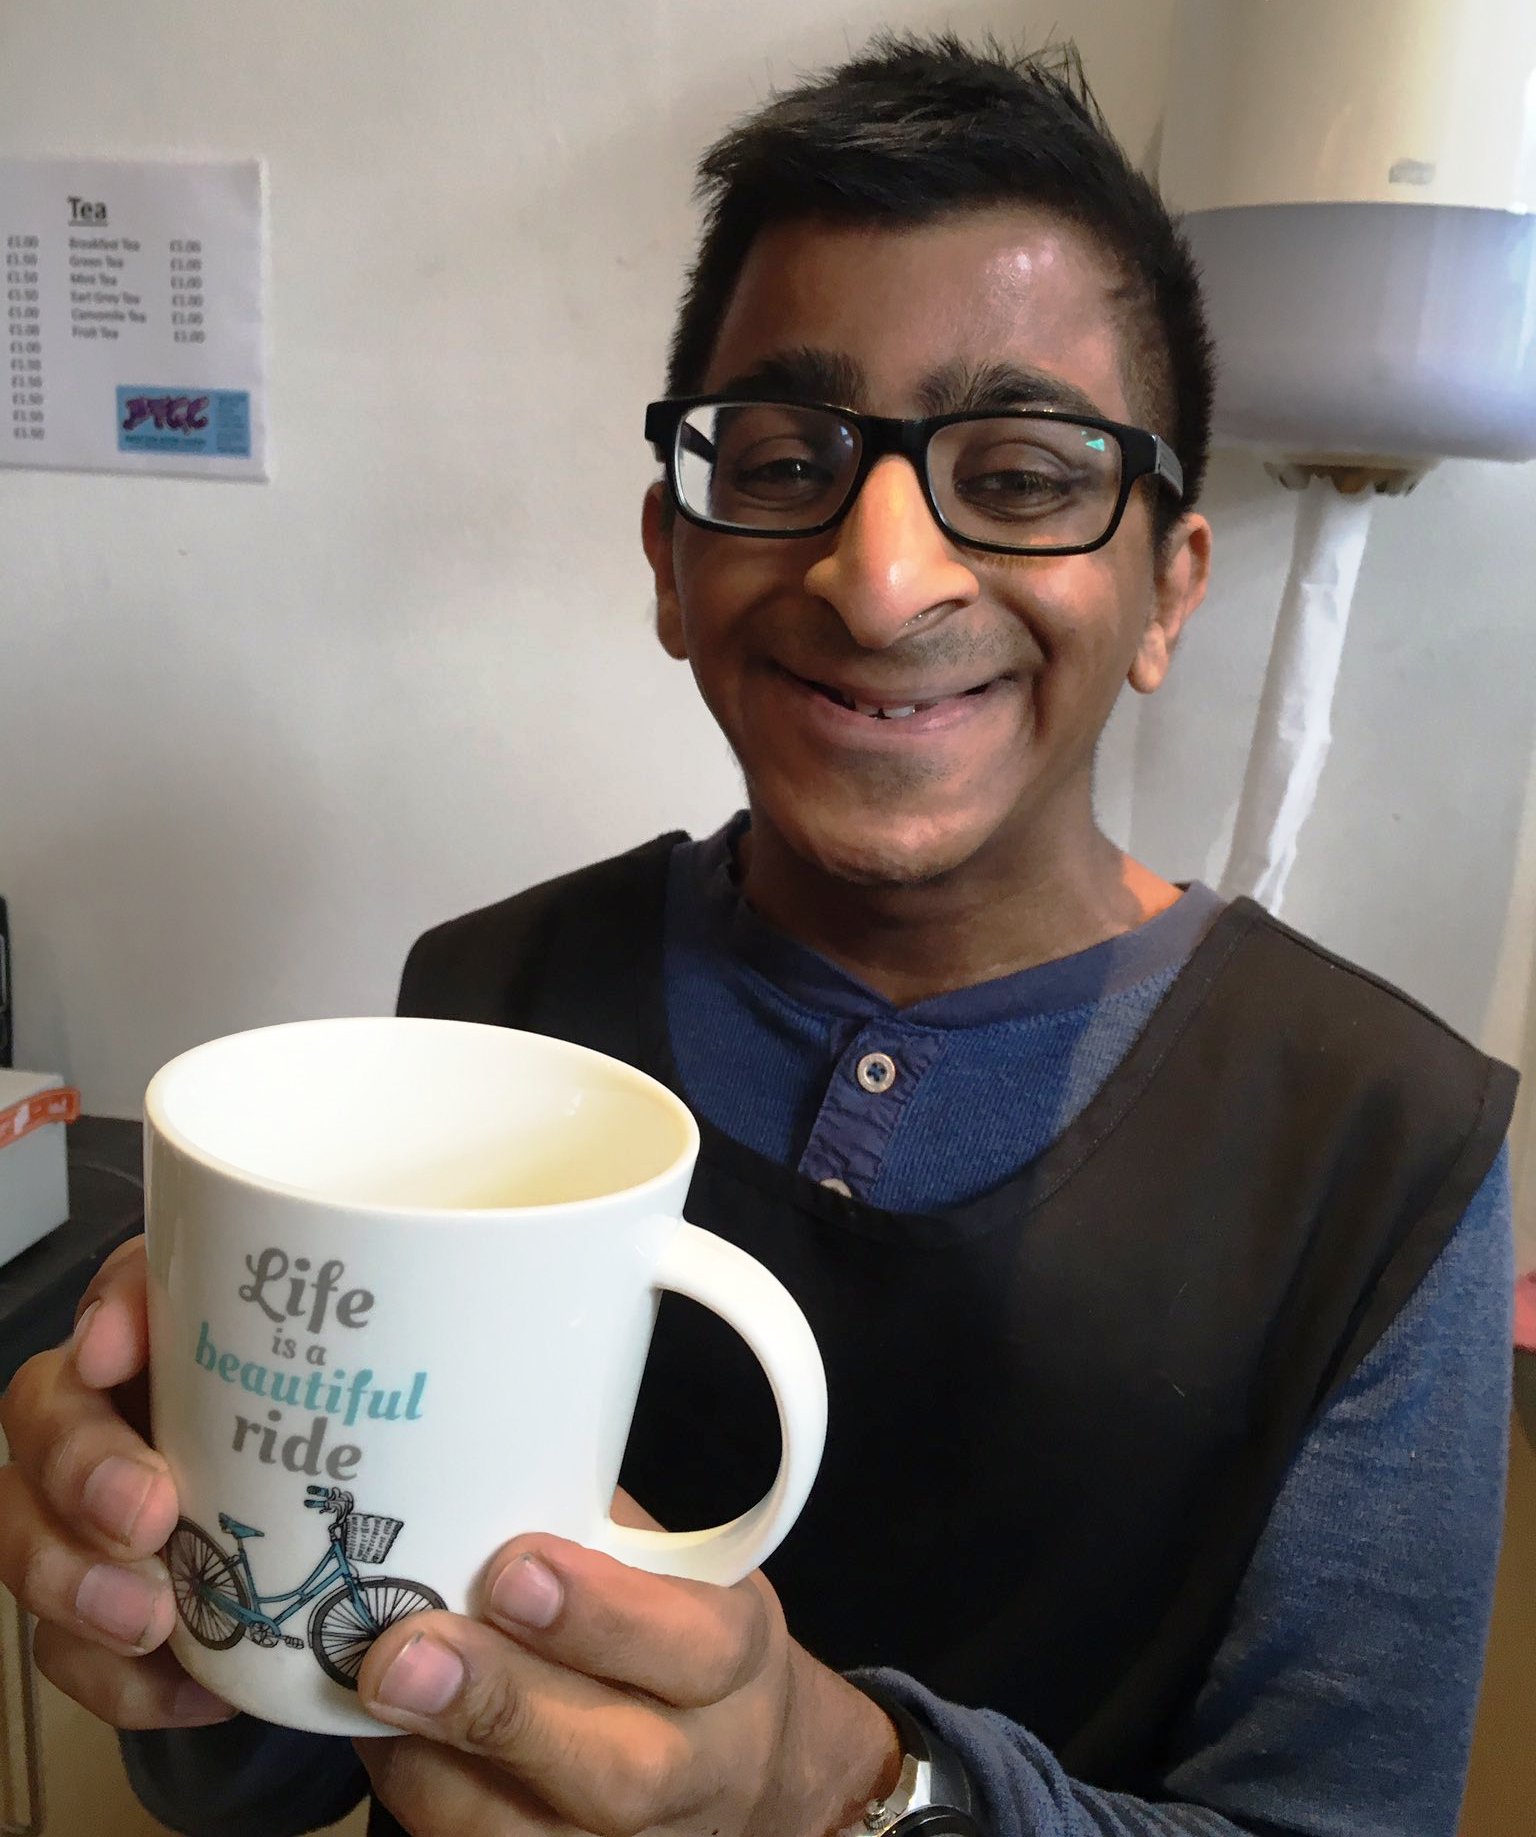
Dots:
pixel 114 1495
pixel 194 1704
pixel 528 1592
pixel 117 1602
pixel 424 1679
pixel 82 1328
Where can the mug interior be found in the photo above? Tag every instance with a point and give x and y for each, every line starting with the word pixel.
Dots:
pixel 424 1114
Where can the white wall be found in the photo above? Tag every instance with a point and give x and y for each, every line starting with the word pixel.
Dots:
pixel 266 733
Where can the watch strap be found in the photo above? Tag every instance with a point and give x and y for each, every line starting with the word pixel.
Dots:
pixel 933 1797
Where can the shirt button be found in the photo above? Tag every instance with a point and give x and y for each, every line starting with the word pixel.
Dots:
pixel 834 1185
pixel 876 1071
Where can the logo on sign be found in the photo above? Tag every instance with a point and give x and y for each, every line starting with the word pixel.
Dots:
pixel 212 424
pixel 181 414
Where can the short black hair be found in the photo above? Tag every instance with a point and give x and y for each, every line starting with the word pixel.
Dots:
pixel 917 127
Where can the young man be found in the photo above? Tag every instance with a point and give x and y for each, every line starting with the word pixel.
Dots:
pixel 1159 1260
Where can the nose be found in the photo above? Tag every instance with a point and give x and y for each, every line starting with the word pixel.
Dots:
pixel 891 562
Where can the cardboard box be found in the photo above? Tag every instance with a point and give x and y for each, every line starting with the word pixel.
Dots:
pixel 34 1165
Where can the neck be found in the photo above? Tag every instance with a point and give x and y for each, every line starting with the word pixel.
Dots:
pixel 982 920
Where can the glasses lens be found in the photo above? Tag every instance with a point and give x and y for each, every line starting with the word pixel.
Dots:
pixel 765 465
pixel 1018 482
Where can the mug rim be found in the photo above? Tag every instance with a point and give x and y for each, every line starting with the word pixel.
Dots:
pixel 158 1124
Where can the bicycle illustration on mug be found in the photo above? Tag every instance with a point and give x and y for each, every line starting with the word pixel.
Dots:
pixel 220 1604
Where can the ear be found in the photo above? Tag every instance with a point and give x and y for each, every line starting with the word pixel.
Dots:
pixel 1183 572
pixel 658 521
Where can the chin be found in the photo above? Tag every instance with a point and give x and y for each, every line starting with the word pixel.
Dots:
pixel 886 852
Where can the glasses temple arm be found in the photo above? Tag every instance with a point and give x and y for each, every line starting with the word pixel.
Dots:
pixel 691 440
pixel 1166 465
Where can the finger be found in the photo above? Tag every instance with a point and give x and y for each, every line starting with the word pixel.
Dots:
pixel 599 1758
pixel 111 1340
pixel 126 1607
pixel 99 1478
pixel 438 1792
pixel 687 1643
pixel 128 1693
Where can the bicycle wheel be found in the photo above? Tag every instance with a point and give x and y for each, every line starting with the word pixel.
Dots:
pixel 340 1635
pixel 200 1573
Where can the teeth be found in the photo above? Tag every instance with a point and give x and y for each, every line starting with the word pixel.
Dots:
pixel 879 713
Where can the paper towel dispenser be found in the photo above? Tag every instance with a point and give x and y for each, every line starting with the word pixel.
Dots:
pixel 1358 181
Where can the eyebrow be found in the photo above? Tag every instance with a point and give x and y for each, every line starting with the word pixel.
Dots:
pixel 805 374
pixel 962 388
pixel 808 374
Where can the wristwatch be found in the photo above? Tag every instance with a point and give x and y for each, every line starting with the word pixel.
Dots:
pixel 933 1797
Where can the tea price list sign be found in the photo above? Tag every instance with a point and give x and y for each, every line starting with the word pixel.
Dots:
pixel 133 299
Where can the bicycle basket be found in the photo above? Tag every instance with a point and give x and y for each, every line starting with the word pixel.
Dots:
pixel 370 1536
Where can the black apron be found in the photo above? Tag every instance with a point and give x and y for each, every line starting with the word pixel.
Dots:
pixel 1058 1414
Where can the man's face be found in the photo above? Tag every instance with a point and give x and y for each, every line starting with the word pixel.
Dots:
pixel 1022 656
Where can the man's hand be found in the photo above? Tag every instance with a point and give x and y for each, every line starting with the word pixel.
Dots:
pixel 84 1505
pixel 597 1698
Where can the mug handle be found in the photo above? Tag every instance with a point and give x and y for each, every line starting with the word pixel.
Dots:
pixel 758 1306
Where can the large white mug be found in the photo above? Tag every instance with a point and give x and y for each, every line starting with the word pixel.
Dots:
pixel 402 1281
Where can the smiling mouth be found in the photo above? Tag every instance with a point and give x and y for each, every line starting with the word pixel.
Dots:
pixel 891 711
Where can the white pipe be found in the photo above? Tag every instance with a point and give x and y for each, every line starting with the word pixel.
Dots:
pixel 1293 732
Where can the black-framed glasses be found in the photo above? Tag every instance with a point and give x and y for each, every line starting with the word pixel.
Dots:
pixel 1029 481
